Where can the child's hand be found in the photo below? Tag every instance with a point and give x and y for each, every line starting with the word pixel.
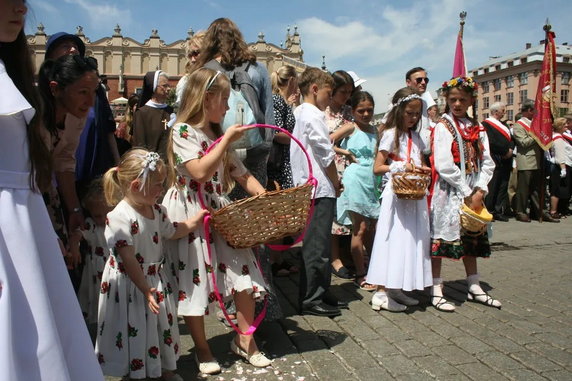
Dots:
pixel 235 132
pixel 151 301
pixel 195 221
pixel 423 169
pixel 475 202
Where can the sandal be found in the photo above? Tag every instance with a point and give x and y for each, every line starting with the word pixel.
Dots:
pixel 442 304
pixel 489 301
pixel 555 215
pixel 363 285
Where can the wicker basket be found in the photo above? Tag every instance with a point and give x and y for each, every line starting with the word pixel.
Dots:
pixel 410 185
pixel 266 217
pixel 473 223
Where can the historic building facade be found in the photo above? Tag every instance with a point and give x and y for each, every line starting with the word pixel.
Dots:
pixel 124 61
pixel 513 79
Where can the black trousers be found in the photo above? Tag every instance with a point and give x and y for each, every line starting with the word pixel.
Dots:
pixel 497 197
pixel 315 274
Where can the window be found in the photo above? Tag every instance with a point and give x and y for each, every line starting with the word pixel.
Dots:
pixel 509 114
pixel 523 78
pixel 497 84
pixel 497 98
pixel 509 99
pixel 564 95
pixel 485 86
pixel 565 78
pixel 486 70
pixel 523 96
pixel 510 63
pixel 510 81
pixel 497 67
pixel 523 60
pixel 485 103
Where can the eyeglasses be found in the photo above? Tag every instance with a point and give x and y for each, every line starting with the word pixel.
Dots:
pixel 194 53
pixel 421 79
pixel 85 62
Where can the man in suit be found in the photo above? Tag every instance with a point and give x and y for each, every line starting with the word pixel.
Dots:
pixel 529 158
pixel 501 146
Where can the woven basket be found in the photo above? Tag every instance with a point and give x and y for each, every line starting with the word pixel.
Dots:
pixel 410 185
pixel 266 217
pixel 473 223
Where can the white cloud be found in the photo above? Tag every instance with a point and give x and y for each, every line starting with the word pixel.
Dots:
pixel 103 17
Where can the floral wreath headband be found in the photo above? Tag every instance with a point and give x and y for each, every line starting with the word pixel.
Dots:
pixel 466 83
pixel 149 164
pixel 408 98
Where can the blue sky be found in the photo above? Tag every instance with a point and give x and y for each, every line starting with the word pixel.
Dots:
pixel 379 40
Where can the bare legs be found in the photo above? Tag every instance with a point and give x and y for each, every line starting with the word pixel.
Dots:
pixel 361 243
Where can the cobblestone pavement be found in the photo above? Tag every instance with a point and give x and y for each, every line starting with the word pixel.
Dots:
pixel 529 339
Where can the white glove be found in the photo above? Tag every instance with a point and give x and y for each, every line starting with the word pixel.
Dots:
pixel 563 172
pixel 397 166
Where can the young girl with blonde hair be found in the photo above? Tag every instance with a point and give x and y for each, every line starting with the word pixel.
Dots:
pixel 198 125
pixel 138 335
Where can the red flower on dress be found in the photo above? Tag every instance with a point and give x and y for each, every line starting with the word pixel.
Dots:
pixel 218 189
pixel 245 270
pixel 156 238
pixel 222 268
pixel 176 348
pixel 104 287
pixel 131 331
pixel 160 296
pixel 119 341
pixel 112 261
pixel 139 258
pixel 435 247
pixel 153 352
pixel 152 270
pixel 194 185
pixel 196 277
pixel 136 364
pixel 204 145
pixel 98 251
pixel 170 318
pixel 191 237
pixel 167 339
pixel 182 296
pixel 120 243
pixel 212 297
pixel 209 268
pixel 181 181
pixel 182 265
pixel 121 267
pixel 209 187
pixel 157 208
pixel 134 227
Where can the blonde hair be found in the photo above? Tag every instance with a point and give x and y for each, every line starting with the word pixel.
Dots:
pixel 193 111
pixel 196 40
pixel 117 180
pixel 558 123
pixel 281 77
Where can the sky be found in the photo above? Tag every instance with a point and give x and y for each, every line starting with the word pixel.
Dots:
pixel 378 39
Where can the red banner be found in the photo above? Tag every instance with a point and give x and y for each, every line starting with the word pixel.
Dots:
pixel 545 104
pixel 459 67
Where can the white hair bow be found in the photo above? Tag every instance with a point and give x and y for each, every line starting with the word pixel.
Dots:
pixel 149 164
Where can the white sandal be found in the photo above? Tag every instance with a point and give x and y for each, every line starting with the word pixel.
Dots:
pixel 442 304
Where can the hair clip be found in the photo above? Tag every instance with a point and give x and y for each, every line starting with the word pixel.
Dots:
pixel 408 98
pixel 149 164
pixel 213 79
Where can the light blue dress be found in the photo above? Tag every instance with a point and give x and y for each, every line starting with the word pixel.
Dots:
pixel 359 193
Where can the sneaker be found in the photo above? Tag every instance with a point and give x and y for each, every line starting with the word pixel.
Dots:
pixel 208 367
pixel 400 297
pixel 258 360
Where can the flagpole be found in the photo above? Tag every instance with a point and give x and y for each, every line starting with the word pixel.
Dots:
pixel 542 192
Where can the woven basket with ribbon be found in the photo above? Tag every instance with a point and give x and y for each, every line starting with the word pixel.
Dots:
pixel 410 185
pixel 266 217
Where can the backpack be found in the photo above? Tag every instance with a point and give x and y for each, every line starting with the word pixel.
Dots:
pixel 244 108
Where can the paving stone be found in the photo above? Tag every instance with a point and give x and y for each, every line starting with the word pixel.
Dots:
pixel 499 361
pixel 524 375
pixel 436 366
pixel 412 348
pixel 535 362
pixel 399 365
pixel 559 356
pixel 560 375
pixel 471 344
pixel 478 371
pixel 453 354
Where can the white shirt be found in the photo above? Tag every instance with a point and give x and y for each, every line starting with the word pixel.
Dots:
pixel 311 130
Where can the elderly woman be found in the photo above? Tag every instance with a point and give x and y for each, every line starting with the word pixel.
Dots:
pixel 501 146
pixel 151 118
pixel 561 168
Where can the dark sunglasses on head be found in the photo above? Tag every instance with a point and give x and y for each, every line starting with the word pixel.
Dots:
pixel 194 53
pixel 85 62
pixel 421 79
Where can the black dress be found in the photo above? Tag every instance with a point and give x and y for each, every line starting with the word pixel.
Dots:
pixel 279 169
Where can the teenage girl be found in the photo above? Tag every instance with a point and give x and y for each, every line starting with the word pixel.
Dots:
pixel 203 106
pixel 138 334
pixel 462 169
pixel 400 257
pixel 358 205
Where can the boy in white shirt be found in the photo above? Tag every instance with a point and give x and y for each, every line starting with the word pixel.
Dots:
pixel 311 130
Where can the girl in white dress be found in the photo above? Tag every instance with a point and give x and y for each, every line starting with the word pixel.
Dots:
pixel 42 333
pixel 203 106
pixel 96 256
pixel 138 335
pixel 400 256
pixel 462 168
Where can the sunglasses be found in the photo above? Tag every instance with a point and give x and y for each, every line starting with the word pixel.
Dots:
pixel 85 62
pixel 421 79
pixel 194 53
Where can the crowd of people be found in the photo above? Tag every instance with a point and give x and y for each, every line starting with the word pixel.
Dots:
pixel 122 207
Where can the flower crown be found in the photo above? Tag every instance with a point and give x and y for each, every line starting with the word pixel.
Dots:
pixel 407 99
pixel 466 83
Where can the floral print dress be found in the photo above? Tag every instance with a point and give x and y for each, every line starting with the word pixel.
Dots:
pixel 236 269
pixel 94 264
pixel 131 340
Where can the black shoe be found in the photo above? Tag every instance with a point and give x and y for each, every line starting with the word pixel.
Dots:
pixel 500 217
pixel 343 272
pixel 331 300
pixel 522 217
pixel 546 217
pixel 322 309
